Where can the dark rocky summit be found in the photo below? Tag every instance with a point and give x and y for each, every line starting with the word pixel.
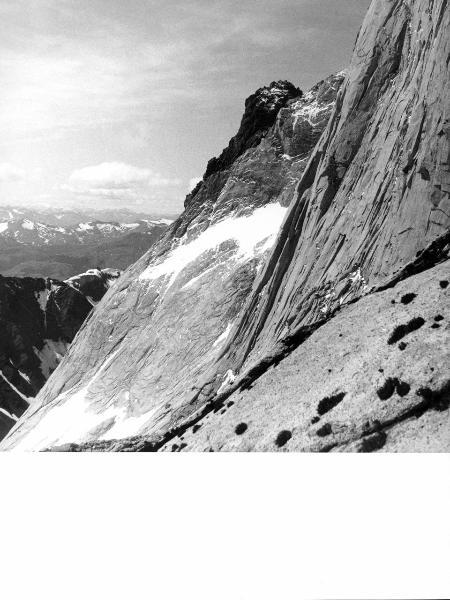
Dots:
pixel 261 111
pixel 38 320
pixel 333 336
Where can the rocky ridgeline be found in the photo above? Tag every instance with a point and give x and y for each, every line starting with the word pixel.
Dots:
pixel 26 232
pixel 331 335
pixel 38 320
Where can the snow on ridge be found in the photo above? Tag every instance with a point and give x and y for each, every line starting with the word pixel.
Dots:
pixel 76 278
pixel 84 227
pixel 129 225
pixel 161 222
pixel 3 227
pixel 310 109
pixel 248 231
pixel 26 224
pixel 10 415
pixel 13 387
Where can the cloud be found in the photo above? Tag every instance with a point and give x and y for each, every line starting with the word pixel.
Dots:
pixel 10 173
pixel 117 180
pixel 193 182
pixel 83 81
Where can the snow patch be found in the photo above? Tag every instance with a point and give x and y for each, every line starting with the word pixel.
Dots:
pixel 5 412
pixel 161 222
pixel 42 298
pixel 247 231
pixel 127 426
pixel 223 336
pixel 24 376
pixel 310 109
pixel 28 225
pixel 71 419
pixel 13 387
pixel 130 225
pixel 3 227
pixel 84 227
pixel 228 379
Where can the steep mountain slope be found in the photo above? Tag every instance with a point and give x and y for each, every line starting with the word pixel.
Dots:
pixel 150 342
pixel 201 319
pixel 38 320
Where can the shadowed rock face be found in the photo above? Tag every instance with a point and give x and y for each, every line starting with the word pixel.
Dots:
pixel 150 343
pixel 38 320
pixel 198 321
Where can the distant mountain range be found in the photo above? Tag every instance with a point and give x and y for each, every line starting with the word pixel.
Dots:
pixel 60 243
pixel 70 217
pixel 25 231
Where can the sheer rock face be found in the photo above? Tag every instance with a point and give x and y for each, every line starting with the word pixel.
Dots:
pixel 376 190
pixel 38 320
pixel 150 343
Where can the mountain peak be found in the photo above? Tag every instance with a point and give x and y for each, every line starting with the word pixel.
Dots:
pixel 261 110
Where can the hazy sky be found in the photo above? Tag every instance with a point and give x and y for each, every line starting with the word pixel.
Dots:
pixel 122 102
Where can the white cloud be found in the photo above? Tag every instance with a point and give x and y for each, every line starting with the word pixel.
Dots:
pixel 193 182
pixel 10 173
pixel 109 175
pixel 117 180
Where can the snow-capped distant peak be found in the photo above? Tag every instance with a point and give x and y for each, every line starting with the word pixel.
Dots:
pixel 24 229
pixel 26 224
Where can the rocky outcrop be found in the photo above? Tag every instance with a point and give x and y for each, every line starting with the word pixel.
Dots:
pixel 38 320
pixel 261 111
pixel 151 341
pixel 220 308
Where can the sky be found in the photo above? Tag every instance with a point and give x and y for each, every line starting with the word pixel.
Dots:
pixel 113 103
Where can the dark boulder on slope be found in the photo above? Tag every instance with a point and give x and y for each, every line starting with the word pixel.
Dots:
pixel 149 344
pixel 38 320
